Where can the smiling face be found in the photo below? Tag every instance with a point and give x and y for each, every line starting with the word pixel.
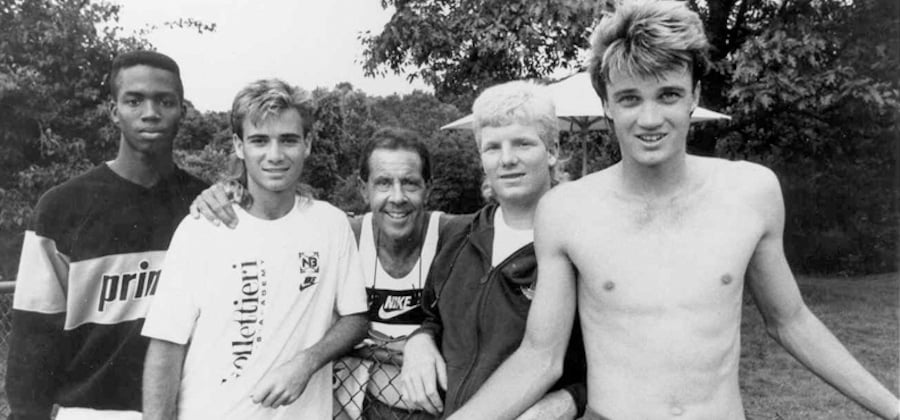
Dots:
pixel 651 116
pixel 395 191
pixel 516 163
pixel 147 109
pixel 273 152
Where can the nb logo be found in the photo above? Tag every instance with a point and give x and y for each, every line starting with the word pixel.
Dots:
pixel 309 263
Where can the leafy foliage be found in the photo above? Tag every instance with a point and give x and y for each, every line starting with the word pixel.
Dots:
pixel 811 84
pixel 814 98
pixel 462 46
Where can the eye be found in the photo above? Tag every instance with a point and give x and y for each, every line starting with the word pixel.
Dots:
pixel 629 100
pixel 382 184
pixel 487 147
pixel 670 97
pixel 169 102
pixel 525 143
pixel 411 185
pixel 132 101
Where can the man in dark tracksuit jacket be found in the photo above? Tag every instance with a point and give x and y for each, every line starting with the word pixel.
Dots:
pixel 476 315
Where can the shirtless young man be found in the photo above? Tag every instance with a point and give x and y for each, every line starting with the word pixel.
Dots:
pixel 656 250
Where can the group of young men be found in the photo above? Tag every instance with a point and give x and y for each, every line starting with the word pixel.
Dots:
pixel 126 308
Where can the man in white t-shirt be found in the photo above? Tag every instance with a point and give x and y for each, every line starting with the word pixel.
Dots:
pixel 397 240
pixel 246 321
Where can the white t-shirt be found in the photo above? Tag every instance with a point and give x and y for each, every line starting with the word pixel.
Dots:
pixel 507 240
pixel 248 299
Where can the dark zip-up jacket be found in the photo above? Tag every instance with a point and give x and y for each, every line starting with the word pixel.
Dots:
pixel 477 314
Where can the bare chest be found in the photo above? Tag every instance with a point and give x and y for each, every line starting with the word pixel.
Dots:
pixel 641 259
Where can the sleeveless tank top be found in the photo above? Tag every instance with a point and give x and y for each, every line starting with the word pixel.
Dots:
pixel 395 303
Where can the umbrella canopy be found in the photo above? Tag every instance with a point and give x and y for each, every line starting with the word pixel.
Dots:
pixel 579 108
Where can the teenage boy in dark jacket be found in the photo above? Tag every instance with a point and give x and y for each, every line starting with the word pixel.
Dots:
pixel 482 281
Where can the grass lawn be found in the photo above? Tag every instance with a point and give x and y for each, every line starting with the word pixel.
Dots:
pixel 861 311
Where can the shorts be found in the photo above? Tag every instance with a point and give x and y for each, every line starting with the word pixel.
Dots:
pixel 373 409
pixel 76 413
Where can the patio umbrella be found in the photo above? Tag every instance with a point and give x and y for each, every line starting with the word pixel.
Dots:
pixel 580 110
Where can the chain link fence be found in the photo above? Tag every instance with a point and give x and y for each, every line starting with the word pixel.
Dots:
pixel 366 381
pixel 6 302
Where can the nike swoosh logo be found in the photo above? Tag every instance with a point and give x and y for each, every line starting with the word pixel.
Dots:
pixel 395 313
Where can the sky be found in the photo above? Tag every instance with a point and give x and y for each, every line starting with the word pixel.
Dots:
pixel 308 43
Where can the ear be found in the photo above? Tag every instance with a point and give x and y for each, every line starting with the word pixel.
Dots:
pixel 238 146
pixel 605 110
pixel 308 141
pixel 363 189
pixel 696 99
pixel 553 154
pixel 428 189
pixel 113 109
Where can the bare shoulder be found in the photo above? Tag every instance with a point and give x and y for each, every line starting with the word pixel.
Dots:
pixel 567 203
pixel 586 187
pixel 749 179
pixel 749 185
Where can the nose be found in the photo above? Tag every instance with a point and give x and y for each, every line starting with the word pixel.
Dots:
pixel 274 153
pixel 150 110
pixel 650 115
pixel 508 156
pixel 396 193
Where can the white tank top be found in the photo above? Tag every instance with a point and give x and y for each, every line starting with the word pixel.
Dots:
pixel 395 303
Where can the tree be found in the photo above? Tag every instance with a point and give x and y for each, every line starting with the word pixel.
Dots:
pixel 811 85
pixel 461 46
pixel 815 97
pixel 54 123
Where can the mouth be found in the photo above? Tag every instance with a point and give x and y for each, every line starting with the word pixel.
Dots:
pixel 650 139
pixel 151 133
pixel 276 171
pixel 397 215
pixel 512 176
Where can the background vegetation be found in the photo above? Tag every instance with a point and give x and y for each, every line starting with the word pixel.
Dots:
pixel 811 84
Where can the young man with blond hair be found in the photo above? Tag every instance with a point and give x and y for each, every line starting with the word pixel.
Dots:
pixel 656 250
pixel 482 281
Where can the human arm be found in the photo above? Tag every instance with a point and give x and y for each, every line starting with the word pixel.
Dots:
pixel 283 384
pixel 162 379
pixel 35 364
pixel 555 405
pixel 789 321
pixel 214 204
pixel 424 372
pixel 529 372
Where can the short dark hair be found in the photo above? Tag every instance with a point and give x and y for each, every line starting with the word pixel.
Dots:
pixel 647 39
pixel 143 58
pixel 393 138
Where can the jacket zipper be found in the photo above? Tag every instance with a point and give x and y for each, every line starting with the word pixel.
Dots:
pixel 467 383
